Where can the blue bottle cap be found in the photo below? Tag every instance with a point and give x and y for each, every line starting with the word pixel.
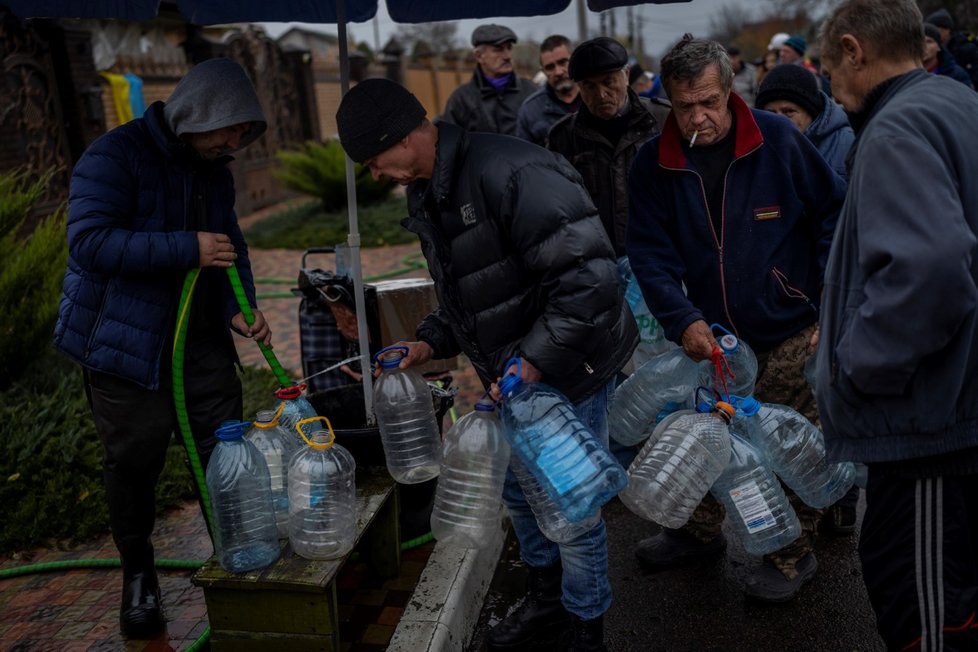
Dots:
pixel 390 357
pixel 485 405
pixel 729 343
pixel 232 430
pixel 745 405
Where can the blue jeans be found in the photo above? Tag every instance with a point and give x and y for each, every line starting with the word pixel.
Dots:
pixel 587 591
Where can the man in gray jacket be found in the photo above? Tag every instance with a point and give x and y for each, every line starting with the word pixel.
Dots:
pixel 897 386
pixel 491 100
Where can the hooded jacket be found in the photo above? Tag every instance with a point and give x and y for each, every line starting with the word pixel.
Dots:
pixel 831 134
pixel 130 242
pixel 948 67
pixel 898 349
pixel 604 167
pixel 521 264
pixel 478 106
pixel 761 275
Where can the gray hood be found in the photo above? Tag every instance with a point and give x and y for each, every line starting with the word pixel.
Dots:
pixel 215 94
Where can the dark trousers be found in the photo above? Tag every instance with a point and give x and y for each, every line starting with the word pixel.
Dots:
pixel 919 551
pixel 135 424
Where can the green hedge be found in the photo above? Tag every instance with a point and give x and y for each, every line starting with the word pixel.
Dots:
pixel 319 169
pixel 50 457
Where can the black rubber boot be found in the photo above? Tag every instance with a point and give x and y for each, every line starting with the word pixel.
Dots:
pixel 540 614
pixel 141 614
pixel 587 635
pixel 677 548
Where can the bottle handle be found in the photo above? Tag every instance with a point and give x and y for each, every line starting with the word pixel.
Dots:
pixel 275 417
pixel 519 366
pixel 388 349
pixel 317 445
pixel 720 327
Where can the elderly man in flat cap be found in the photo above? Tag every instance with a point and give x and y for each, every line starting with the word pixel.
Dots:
pixel 491 100
pixel 522 268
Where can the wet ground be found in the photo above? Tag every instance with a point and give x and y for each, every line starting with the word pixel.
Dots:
pixel 703 609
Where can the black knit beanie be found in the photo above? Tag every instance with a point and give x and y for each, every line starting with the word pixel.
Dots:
pixel 374 116
pixel 793 83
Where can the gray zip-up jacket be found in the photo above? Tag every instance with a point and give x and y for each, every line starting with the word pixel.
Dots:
pixel 898 353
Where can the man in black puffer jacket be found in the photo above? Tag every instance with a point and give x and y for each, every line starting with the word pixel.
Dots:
pixel 523 268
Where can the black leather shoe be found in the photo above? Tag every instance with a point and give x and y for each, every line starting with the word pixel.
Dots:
pixel 587 635
pixel 141 614
pixel 676 548
pixel 541 613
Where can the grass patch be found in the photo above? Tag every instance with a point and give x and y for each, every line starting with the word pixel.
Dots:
pixel 307 226
pixel 51 490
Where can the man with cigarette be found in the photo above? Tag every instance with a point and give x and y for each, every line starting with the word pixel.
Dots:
pixel 736 207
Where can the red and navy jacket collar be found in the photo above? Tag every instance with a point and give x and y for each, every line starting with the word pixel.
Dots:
pixel 746 138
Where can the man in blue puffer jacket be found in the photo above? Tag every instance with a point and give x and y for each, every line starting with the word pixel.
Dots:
pixel 731 215
pixel 148 202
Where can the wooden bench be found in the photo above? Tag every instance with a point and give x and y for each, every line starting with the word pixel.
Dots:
pixel 291 605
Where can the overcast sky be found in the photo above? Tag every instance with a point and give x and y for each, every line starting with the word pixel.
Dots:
pixel 663 24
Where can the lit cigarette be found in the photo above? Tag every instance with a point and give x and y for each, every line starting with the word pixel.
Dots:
pixel 692 138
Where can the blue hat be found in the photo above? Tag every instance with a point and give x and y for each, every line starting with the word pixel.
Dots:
pixel 797 43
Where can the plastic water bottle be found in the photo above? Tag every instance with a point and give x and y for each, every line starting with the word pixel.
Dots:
pixel 758 508
pixel 741 361
pixel 293 408
pixel 670 476
pixel 662 385
pixel 277 446
pixel 468 498
pixel 322 496
pixel 568 460
pixel 552 522
pixel 406 418
pixel 652 339
pixel 795 449
pixel 245 535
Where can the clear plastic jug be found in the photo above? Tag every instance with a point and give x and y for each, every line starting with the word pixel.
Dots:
pixel 662 385
pixel 739 363
pixel 245 534
pixel 571 464
pixel 406 419
pixel 468 498
pixel 322 495
pixel 292 408
pixel 671 474
pixel 757 506
pixel 277 446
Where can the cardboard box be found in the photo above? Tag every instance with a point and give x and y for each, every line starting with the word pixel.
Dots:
pixel 401 305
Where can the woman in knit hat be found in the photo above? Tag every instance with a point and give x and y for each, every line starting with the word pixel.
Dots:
pixel 793 92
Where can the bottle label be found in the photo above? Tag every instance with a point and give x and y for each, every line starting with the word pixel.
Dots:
pixel 752 507
pixel 565 463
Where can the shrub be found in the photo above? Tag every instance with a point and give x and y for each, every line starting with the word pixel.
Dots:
pixel 31 270
pixel 307 226
pixel 50 457
pixel 319 169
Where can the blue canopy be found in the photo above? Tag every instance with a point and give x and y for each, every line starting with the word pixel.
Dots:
pixel 212 12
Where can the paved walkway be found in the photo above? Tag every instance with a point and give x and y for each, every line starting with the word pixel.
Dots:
pixel 77 610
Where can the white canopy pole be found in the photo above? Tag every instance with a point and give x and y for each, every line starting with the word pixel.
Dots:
pixel 353 237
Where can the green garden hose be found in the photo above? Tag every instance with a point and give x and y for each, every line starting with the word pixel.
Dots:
pixel 249 318
pixel 183 421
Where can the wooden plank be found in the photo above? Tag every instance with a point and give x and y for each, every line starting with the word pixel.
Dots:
pixel 271 612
